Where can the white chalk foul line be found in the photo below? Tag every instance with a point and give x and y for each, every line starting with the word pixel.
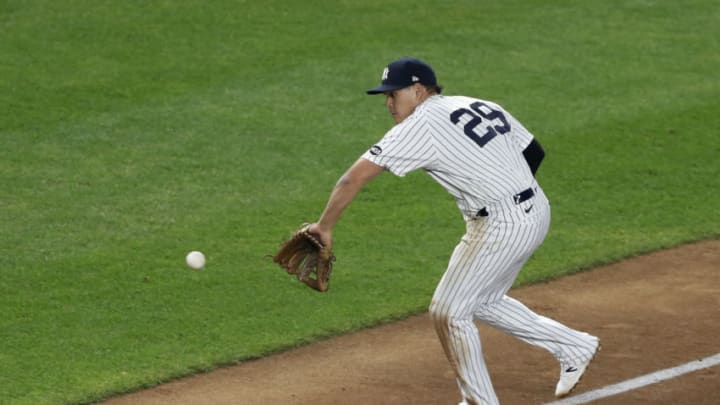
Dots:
pixel 641 381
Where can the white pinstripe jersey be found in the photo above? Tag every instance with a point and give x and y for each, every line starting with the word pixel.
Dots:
pixel 472 147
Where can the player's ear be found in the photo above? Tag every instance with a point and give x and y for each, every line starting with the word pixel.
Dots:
pixel 419 88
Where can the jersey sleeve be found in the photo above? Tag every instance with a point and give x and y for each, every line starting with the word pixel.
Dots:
pixel 403 149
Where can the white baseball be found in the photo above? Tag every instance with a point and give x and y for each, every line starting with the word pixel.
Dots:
pixel 195 260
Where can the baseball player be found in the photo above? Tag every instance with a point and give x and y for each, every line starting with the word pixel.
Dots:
pixel 487 160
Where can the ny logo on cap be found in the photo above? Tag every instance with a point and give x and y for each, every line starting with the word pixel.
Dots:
pixel 385 74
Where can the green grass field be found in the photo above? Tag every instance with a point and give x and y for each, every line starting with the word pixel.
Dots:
pixel 133 132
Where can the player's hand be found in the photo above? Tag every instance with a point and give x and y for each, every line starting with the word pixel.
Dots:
pixel 325 235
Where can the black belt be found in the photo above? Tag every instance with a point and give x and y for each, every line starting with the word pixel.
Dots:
pixel 524 196
pixel 517 198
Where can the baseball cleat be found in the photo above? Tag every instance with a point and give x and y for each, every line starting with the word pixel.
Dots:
pixel 570 375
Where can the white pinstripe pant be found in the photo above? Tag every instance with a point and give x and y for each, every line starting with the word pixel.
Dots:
pixel 482 269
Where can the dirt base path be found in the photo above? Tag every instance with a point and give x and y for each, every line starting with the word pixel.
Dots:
pixel 651 312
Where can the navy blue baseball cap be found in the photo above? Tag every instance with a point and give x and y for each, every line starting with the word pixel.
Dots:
pixel 403 73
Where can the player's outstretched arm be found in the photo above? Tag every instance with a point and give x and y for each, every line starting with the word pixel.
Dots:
pixel 347 187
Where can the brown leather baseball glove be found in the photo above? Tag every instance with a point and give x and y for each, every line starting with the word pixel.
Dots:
pixel 305 256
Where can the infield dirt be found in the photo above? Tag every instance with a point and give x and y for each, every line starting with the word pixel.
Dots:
pixel 651 312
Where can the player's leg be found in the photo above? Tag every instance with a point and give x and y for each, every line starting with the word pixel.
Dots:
pixel 573 349
pixel 512 317
pixel 481 270
pixel 451 311
pixel 509 315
